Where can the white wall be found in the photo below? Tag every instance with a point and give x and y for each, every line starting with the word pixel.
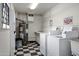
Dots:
pixel 59 12
pixel 4 43
pixel 34 26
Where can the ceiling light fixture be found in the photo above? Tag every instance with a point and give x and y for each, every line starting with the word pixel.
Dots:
pixel 34 5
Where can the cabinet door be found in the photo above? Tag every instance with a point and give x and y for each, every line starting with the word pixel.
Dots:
pixel 42 43
pixel 52 46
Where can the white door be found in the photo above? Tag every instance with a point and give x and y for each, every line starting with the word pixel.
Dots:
pixel 12 29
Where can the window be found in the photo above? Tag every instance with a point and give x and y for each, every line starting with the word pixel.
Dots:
pixel 5 16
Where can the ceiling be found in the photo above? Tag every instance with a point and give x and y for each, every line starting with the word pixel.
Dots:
pixel 40 9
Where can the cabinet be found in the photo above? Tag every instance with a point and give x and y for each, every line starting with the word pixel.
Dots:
pixel 30 18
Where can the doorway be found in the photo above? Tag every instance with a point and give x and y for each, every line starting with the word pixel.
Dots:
pixel 21 34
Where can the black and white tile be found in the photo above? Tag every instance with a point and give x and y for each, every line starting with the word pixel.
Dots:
pixel 31 49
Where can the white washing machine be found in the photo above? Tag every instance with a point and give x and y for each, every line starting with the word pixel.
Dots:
pixel 57 46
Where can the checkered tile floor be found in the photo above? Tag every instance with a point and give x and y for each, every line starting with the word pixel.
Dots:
pixel 32 49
